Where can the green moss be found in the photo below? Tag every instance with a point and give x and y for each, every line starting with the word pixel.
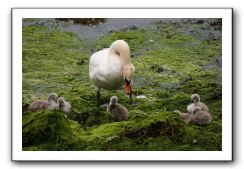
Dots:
pixel 202 138
pixel 45 126
pixel 168 70
pixel 135 38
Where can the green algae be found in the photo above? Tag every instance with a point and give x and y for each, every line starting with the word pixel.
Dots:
pixel 169 68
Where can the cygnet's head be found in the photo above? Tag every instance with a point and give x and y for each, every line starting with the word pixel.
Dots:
pixel 196 109
pixel 195 98
pixel 53 97
pixel 114 100
pixel 61 101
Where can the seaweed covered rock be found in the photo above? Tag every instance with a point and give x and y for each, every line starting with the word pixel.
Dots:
pixel 151 133
pixel 163 123
pixel 202 138
pixel 45 127
pixel 89 118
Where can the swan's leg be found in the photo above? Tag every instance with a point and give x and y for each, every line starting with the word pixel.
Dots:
pixel 98 97
pixel 130 99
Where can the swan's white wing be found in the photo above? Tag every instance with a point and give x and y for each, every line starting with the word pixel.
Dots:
pixel 98 64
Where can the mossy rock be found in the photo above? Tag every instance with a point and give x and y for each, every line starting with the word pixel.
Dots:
pixel 90 118
pixel 45 127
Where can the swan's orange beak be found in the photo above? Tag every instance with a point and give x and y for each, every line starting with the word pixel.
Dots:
pixel 128 89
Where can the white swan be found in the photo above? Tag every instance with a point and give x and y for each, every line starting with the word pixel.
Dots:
pixel 110 68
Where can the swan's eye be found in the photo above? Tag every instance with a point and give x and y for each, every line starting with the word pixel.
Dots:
pixel 117 52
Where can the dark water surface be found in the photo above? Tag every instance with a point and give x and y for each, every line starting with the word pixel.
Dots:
pixel 91 31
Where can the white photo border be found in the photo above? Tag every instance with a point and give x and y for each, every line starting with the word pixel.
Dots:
pixel 227 137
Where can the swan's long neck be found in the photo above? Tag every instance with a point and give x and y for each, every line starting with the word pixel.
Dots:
pixel 119 62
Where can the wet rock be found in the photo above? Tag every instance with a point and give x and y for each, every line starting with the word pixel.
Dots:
pixel 216 23
pixel 213 63
pixel 199 21
pixel 133 27
pixel 84 21
pixel 193 21
pixel 140 82
pixel 161 68
pixel 114 30
pixel 205 25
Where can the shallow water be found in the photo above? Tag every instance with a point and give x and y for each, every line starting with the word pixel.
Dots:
pixel 93 32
